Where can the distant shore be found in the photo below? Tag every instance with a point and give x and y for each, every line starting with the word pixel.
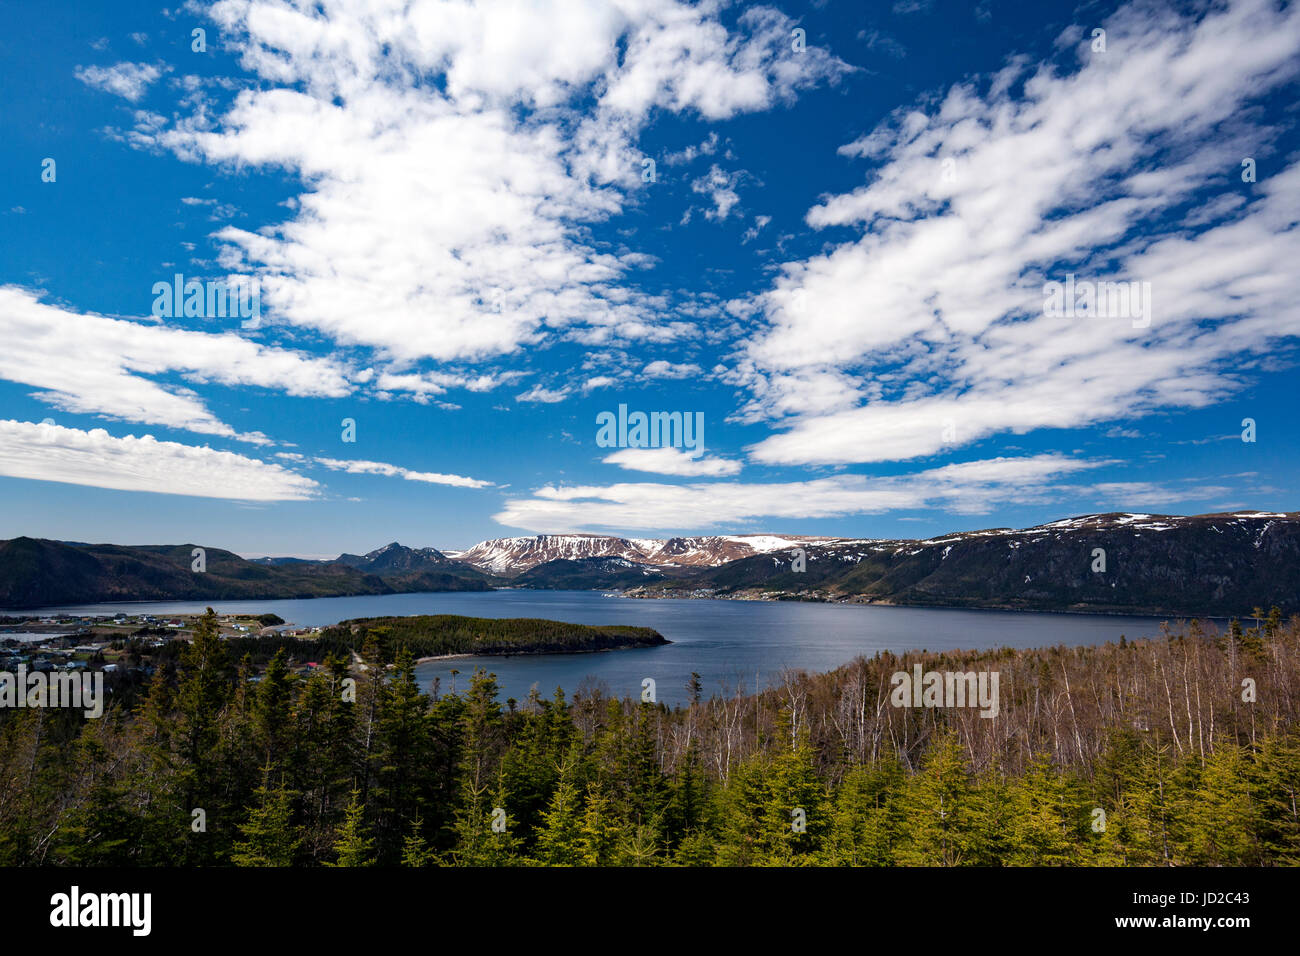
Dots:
pixel 858 600
pixel 441 657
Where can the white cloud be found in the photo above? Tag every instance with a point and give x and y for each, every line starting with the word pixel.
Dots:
pixel 969 488
pixel 706 148
pixel 934 315
pixel 719 187
pixel 95 365
pixel 128 80
pixel 447 220
pixel 546 396
pixel 97 459
pixel 422 386
pixel 661 368
pixel 1125 495
pixel 396 471
pixel 760 223
pixel 672 461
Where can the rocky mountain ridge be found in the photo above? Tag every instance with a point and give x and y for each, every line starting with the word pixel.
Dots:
pixel 1215 564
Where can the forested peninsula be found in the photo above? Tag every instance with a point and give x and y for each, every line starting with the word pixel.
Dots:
pixel 438 635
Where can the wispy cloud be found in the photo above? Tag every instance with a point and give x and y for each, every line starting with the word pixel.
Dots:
pixel 672 461
pixel 968 488
pixel 396 471
pixel 931 324
pixel 100 460
pixel 93 364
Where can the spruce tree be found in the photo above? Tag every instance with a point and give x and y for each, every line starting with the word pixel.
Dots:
pixel 352 847
pixel 558 838
pixel 270 838
pixel 415 848
pixel 936 808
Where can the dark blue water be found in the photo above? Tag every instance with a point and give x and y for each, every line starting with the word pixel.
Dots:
pixel 729 643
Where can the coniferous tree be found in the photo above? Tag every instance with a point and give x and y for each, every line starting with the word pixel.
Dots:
pixel 1274 780
pixel 415 848
pixel 201 696
pixel 353 847
pixel 863 817
pixel 599 829
pixel 558 839
pixel 1215 812
pixel 400 754
pixel 1044 817
pixel 270 838
pixel 794 818
pixel 936 808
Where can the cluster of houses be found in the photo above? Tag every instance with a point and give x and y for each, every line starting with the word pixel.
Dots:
pixel 82 648
pixel 58 653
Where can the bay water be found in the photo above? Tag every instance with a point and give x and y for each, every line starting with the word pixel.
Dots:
pixel 730 644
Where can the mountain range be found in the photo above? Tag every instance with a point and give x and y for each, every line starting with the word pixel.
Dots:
pixel 510 556
pixel 1216 564
pixel 36 572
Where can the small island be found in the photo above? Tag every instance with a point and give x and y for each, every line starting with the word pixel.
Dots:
pixel 443 635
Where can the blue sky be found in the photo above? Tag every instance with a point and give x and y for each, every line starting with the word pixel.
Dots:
pixel 838 258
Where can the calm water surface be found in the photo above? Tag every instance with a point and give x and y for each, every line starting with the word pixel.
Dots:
pixel 726 642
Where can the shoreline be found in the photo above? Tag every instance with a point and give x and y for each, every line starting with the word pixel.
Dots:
pixel 445 657
pixel 584 650
pixel 791 598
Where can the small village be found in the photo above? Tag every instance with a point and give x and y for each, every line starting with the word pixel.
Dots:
pixel 110 643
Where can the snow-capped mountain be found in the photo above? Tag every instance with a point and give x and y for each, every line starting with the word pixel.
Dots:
pixel 508 556
pixel 512 556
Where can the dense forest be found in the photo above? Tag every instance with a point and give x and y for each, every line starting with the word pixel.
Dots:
pixel 428 635
pixel 1181 750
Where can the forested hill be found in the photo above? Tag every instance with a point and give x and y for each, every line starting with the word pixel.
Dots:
pixel 36 572
pixel 428 635
pixel 1216 565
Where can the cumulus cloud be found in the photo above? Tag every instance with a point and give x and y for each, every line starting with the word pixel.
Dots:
pixel 128 80
pixel 96 458
pixel 931 323
pixel 546 396
pixel 447 199
pixel 720 187
pixel 661 368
